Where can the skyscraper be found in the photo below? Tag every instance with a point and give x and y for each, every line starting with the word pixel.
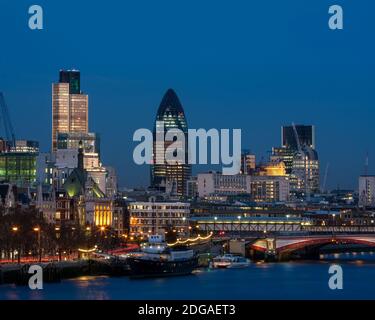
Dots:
pixel 306 135
pixel 248 162
pixel 69 106
pixel 73 77
pixel 170 177
pixel 300 158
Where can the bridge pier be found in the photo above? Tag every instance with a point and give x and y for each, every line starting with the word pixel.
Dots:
pixel 270 256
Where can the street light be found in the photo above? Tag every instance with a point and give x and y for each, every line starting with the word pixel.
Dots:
pixel 15 230
pixel 38 231
pixel 215 218
pixel 239 219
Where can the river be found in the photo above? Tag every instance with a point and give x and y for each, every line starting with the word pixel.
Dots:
pixel 289 280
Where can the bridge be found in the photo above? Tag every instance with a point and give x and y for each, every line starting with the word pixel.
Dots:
pixel 280 248
pixel 248 226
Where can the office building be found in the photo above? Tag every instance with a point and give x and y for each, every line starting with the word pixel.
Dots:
pixel 214 183
pixel 270 188
pixel 305 177
pixel 69 106
pixel 159 217
pixel 248 162
pixel 18 164
pixel 285 155
pixel 306 135
pixel 367 191
pixel 300 158
pixel 73 78
pixel 164 176
pixel 71 140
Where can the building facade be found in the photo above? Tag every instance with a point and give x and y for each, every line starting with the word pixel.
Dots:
pixel 69 106
pixel 214 183
pixel 248 162
pixel 159 217
pixel 300 158
pixel 18 164
pixel 270 188
pixel 366 191
pixel 166 176
pixel 306 135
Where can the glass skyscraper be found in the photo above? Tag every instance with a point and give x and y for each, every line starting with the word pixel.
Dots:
pixel 69 106
pixel 306 135
pixel 18 165
pixel 73 77
pixel 170 177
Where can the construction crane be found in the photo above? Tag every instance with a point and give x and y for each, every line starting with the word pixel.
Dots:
pixel 8 128
pixel 325 178
pixel 297 138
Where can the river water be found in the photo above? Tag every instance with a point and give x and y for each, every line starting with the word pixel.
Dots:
pixel 289 280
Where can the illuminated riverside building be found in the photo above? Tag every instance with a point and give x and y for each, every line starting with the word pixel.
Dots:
pixel 69 106
pixel 158 217
pixel 166 177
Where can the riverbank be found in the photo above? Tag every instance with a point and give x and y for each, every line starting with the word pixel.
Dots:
pixel 57 271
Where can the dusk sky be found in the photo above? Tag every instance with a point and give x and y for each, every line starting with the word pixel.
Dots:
pixel 253 65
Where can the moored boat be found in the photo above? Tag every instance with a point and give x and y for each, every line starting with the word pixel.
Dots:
pixel 229 261
pixel 159 260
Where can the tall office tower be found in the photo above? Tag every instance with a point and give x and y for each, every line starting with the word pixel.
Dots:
pixel 300 158
pixel 69 106
pixel 306 135
pixel 248 162
pixel 367 191
pixel 171 178
pixel 285 155
pixel 73 77
pixel 305 173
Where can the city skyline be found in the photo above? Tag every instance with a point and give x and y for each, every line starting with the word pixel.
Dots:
pixel 327 87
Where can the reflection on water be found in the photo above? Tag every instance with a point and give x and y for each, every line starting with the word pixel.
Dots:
pixel 290 280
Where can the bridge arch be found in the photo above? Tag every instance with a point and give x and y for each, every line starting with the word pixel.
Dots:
pixel 282 248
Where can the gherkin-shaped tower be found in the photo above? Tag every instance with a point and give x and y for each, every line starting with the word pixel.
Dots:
pixel 170 177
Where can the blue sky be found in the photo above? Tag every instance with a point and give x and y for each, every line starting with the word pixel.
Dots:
pixel 254 65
